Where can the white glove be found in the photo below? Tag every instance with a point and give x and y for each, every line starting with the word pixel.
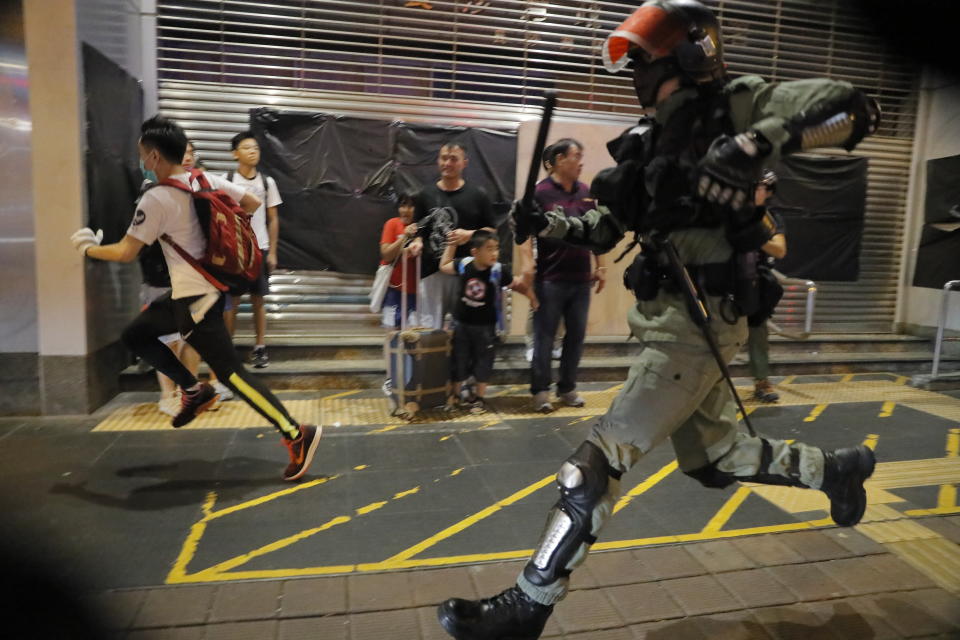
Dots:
pixel 85 238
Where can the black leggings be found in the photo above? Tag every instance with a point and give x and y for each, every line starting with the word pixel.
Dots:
pixel 213 343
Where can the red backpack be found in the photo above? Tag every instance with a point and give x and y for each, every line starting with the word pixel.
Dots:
pixel 232 251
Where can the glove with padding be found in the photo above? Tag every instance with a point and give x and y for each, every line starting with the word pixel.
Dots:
pixel 85 238
pixel 730 168
pixel 528 220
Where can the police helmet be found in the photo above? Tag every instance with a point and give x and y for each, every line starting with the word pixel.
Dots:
pixel 664 39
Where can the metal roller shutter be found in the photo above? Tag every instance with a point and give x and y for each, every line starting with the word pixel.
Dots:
pixel 486 62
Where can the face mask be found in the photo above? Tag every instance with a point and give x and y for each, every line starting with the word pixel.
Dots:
pixel 147 174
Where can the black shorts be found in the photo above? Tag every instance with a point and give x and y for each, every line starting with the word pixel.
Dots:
pixel 258 287
pixel 474 347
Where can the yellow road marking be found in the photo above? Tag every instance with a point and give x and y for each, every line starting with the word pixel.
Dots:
pixel 645 485
pixel 282 543
pixel 583 419
pixel 749 411
pixel 360 467
pixel 404 494
pixel 362 511
pixel 256 502
pixel 847 378
pixel 384 429
pixel 871 441
pixel 343 394
pixel 887 410
pixel 901 380
pixel 452 530
pixel 456 472
pixel 730 506
pixel 947 496
pixel 178 573
pixel 616 387
pixel 788 380
pixel 815 413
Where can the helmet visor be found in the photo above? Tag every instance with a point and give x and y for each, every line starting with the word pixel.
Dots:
pixel 650 27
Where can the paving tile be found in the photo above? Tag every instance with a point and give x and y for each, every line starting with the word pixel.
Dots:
pixel 246 601
pixel 491 579
pixel 906 613
pixel 733 625
pixel 943 526
pixel 376 592
pixel 684 629
pixel 385 625
pixel 942 604
pixel 854 541
pixel 857 575
pixel 313 597
pixel 853 618
pixel 430 628
pixel 260 630
pixel 586 610
pixel 898 572
pixel 621 633
pixel 814 546
pixel 118 609
pixel 175 606
pixel 621 567
pixel 720 555
pixel 794 622
pixel 433 587
pixel 643 602
pixel 324 627
pixel 808 582
pixel 669 562
pixel 756 588
pixel 700 595
pixel 583 577
pixel 767 550
pixel 179 633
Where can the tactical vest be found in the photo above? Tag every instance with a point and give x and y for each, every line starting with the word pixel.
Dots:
pixel 653 184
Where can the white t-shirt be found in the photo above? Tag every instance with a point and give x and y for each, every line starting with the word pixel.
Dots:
pixel 269 199
pixel 165 210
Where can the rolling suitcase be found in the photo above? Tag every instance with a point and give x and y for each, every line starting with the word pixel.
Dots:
pixel 418 362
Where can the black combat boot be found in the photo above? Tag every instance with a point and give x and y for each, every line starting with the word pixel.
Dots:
pixel 510 615
pixel 844 472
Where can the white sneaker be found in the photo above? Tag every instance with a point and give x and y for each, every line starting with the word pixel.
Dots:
pixel 541 402
pixel 171 405
pixel 529 355
pixel 557 353
pixel 223 390
pixel 572 399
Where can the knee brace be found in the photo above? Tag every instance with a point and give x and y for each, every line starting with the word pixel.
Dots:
pixel 582 480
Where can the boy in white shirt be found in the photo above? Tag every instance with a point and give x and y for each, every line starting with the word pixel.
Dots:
pixel 194 306
pixel 266 224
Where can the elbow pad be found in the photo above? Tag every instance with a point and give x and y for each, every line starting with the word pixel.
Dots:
pixel 838 123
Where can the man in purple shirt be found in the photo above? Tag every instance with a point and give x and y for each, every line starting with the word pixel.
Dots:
pixel 563 276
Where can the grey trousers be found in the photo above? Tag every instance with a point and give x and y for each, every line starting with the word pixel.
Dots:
pixel 675 390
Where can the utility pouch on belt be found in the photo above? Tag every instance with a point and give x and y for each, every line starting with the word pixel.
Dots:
pixel 643 277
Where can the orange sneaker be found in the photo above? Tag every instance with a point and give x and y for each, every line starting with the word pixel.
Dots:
pixel 195 403
pixel 301 451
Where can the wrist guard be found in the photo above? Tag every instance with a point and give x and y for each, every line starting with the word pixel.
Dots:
pixel 838 123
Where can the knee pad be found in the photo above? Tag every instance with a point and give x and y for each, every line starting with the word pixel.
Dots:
pixel 582 480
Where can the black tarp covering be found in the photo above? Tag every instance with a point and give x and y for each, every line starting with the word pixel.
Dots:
pixel 942 201
pixel 938 258
pixel 114 104
pixel 339 178
pixel 822 201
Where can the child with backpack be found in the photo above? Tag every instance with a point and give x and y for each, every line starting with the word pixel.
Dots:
pixel 203 224
pixel 477 313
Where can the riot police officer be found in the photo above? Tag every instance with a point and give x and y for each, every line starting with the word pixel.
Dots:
pixel 682 184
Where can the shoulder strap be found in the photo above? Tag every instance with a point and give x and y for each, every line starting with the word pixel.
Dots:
pixel 230 175
pixel 266 191
pixel 462 265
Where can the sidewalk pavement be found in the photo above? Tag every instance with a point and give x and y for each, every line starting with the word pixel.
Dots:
pixel 826 583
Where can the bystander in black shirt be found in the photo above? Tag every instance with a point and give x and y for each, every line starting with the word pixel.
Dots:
pixel 476 303
pixel 468 208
